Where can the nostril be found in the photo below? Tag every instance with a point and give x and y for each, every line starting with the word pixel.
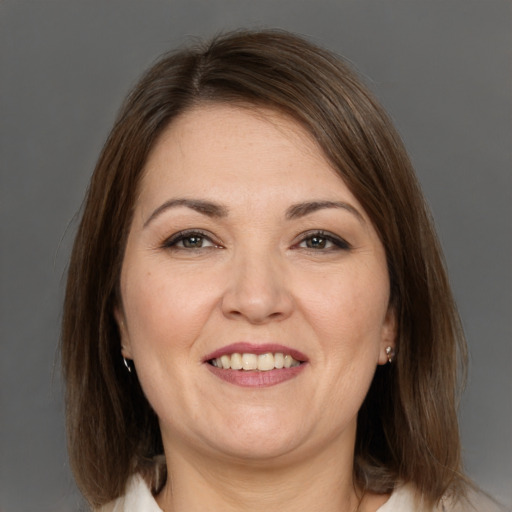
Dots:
pixel 256 294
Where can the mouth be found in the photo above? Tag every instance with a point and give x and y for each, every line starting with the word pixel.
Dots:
pixel 255 362
pixel 252 365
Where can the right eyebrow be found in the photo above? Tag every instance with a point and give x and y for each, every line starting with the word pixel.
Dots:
pixel 204 207
pixel 302 209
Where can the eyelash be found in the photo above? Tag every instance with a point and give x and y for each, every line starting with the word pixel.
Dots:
pixel 173 241
pixel 338 243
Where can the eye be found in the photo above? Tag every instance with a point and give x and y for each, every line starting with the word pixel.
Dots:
pixel 322 241
pixel 189 240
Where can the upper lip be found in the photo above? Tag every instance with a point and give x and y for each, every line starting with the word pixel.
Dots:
pixel 244 347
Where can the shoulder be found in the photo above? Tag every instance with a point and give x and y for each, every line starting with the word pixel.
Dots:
pixel 403 499
pixel 137 498
pixel 406 499
pixel 474 502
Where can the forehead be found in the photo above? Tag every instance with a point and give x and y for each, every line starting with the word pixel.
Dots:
pixel 220 127
pixel 238 153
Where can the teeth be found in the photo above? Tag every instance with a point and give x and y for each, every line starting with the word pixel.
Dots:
pixel 251 362
pixel 265 362
pixel 236 361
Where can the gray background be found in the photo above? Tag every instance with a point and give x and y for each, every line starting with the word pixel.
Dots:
pixel 442 68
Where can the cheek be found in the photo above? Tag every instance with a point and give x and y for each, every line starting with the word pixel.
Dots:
pixel 163 310
pixel 348 311
pixel 163 317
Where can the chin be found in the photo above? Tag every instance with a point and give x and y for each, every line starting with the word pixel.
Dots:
pixel 252 438
pixel 256 449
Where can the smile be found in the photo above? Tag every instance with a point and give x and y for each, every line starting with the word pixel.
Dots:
pixel 256 365
pixel 255 362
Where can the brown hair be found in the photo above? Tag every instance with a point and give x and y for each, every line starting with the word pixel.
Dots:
pixel 407 426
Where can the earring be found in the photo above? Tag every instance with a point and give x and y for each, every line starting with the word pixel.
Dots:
pixel 127 364
pixel 390 352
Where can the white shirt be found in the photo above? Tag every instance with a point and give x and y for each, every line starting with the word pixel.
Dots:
pixel 138 498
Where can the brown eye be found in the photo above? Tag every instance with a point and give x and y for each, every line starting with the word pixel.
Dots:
pixel 189 240
pixel 316 242
pixel 193 242
pixel 320 241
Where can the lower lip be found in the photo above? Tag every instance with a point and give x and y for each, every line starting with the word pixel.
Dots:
pixel 256 379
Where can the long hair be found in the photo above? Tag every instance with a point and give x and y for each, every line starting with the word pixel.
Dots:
pixel 407 426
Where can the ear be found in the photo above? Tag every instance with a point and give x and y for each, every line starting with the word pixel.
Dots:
pixel 388 336
pixel 123 332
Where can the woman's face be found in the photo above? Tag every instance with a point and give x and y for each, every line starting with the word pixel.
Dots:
pixel 254 289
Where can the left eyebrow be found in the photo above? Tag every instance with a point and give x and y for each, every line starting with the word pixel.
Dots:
pixel 204 207
pixel 302 209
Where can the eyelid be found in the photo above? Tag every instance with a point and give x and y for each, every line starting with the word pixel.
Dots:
pixel 171 241
pixel 339 242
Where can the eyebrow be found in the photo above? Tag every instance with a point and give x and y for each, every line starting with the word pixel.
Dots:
pixel 205 207
pixel 302 209
pixel 211 209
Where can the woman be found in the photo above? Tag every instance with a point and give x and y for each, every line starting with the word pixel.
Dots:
pixel 257 313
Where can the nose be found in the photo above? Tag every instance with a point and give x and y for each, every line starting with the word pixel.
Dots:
pixel 257 290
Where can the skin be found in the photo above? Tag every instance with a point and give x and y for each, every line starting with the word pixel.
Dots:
pixel 255 275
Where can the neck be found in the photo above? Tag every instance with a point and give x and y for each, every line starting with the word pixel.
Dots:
pixel 323 481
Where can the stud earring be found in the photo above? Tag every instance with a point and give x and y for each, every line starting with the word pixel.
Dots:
pixel 390 352
pixel 127 364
